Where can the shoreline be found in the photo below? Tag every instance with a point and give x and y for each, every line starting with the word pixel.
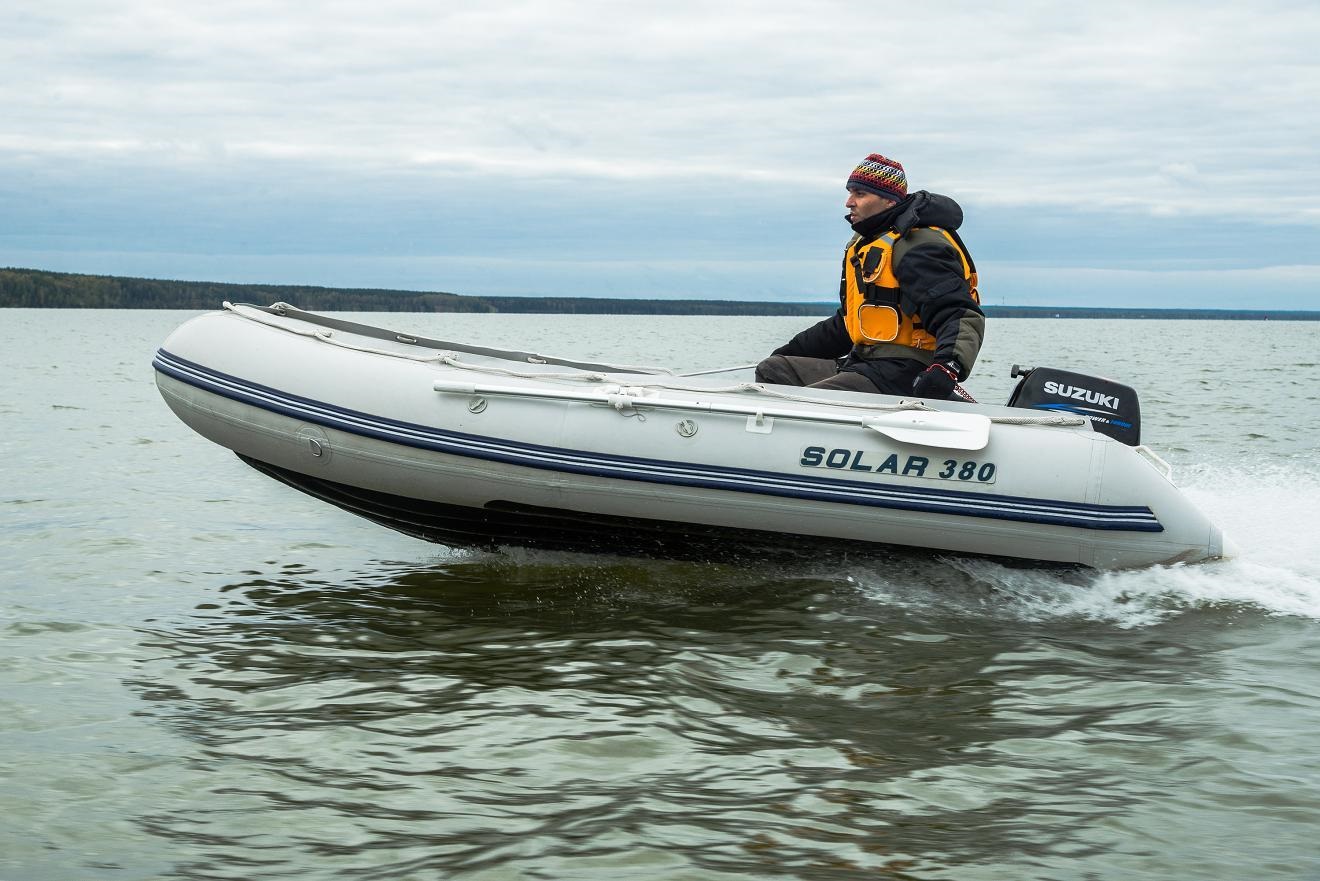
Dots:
pixel 42 289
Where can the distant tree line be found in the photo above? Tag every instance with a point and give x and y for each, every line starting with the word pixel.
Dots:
pixel 38 289
pixel 1173 314
pixel 601 306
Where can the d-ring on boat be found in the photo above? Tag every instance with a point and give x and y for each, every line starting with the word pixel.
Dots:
pixel 465 445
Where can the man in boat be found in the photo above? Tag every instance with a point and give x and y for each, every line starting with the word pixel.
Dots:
pixel 909 320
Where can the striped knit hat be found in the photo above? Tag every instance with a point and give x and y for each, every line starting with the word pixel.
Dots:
pixel 880 175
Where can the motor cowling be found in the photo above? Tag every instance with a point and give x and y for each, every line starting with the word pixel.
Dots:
pixel 1112 407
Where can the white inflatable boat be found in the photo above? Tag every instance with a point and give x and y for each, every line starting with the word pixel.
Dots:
pixel 464 445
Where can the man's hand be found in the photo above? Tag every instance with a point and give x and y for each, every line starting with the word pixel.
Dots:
pixel 936 381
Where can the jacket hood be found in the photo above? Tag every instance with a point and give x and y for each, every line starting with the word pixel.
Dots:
pixel 921 208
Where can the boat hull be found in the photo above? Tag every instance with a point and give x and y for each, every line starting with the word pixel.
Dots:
pixel 499 524
pixel 368 432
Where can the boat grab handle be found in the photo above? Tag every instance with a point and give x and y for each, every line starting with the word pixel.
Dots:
pixel 1153 458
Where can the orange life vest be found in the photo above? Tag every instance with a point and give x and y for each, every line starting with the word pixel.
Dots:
pixel 872 309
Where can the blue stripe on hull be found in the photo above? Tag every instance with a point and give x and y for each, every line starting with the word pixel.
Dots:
pixel 939 501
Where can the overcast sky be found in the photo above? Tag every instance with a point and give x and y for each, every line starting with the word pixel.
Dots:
pixel 1120 154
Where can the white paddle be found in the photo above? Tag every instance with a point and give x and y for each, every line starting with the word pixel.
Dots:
pixel 928 428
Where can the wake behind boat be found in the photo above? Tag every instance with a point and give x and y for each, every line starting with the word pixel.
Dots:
pixel 466 445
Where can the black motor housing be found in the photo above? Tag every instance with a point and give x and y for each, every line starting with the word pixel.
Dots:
pixel 1112 407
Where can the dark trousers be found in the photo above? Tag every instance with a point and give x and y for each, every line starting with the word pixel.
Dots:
pixel 890 376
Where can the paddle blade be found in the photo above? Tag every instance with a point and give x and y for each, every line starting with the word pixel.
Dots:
pixel 954 431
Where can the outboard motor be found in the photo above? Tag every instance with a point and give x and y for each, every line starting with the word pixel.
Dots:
pixel 1112 407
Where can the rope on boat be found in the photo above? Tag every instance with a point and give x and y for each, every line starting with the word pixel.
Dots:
pixel 920 405
pixel 327 336
pixel 450 359
pixel 751 388
pixel 636 389
pixel 447 358
pixel 717 370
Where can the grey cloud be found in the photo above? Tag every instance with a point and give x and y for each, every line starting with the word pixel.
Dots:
pixel 578 110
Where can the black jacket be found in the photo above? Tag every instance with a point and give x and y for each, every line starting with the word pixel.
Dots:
pixel 931 286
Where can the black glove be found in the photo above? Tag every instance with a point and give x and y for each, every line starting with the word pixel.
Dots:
pixel 936 381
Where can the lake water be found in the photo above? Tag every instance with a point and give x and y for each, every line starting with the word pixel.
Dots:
pixel 206 675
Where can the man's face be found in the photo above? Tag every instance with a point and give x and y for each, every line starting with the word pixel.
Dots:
pixel 862 204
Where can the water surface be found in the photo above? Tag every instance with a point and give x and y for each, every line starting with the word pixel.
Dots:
pixel 205 674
